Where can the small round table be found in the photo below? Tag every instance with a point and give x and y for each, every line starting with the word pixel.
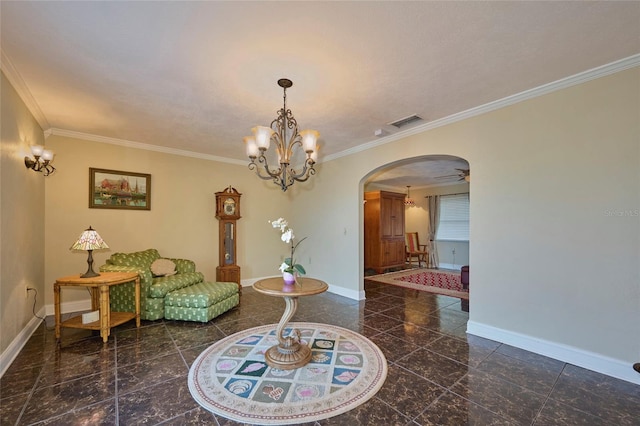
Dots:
pixel 289 353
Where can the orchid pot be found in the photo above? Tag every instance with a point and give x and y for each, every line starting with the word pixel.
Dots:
pixel 289 278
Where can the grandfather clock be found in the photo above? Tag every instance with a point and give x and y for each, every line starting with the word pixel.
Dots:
pixel 227 213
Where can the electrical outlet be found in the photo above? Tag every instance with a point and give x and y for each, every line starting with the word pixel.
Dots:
pixel 453 251
pixel 27 289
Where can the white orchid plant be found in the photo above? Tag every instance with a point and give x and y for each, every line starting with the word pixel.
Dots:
pixel 289 265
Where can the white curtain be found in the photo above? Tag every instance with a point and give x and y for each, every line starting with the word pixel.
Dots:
pixel 433 203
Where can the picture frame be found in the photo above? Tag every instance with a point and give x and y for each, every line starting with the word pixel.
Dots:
pixel 115 189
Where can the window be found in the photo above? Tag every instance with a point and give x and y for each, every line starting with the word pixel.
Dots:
pixel 454 218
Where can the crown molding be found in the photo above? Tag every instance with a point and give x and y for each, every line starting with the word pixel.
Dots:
pixel 582 77
pixel 144 146
pixel 21 87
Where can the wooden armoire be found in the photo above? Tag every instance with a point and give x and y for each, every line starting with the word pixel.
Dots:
pixel 383 230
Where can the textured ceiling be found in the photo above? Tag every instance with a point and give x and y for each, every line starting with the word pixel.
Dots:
pixel 197 76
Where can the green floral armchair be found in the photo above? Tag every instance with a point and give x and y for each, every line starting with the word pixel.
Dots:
pixel 152 289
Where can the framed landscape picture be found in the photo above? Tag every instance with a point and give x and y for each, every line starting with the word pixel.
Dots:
pixel 114 189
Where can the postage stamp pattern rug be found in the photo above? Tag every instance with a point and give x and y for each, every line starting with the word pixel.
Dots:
pixel 232 379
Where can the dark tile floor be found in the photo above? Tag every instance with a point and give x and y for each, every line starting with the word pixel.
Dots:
pixel 437 374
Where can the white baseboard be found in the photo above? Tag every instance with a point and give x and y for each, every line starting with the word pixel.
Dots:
pixel 76 306
pixel 14 348
pixel 449 266
pixel 569 354
pixel 351 294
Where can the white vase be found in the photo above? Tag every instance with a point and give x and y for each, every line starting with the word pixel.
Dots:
pixel 289 278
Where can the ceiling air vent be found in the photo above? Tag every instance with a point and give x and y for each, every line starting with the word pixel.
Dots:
pixel 406 121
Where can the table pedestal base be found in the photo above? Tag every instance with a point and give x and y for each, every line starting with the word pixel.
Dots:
pixel 291 352
pixel 288 360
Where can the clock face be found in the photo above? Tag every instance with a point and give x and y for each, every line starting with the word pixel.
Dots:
pixel 229 206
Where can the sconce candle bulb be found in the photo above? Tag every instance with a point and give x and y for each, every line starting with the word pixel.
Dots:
pixel 41 161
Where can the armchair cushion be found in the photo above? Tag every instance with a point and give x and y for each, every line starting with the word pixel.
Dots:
pixel 163 285
pixel 163 268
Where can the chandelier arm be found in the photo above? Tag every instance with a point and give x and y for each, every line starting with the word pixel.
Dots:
pixel 256 167
pixel 305 173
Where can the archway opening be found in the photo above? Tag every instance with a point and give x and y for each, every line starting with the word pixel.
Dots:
pixel 445 237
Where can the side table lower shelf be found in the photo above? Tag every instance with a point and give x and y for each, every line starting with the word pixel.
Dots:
pixel 117 318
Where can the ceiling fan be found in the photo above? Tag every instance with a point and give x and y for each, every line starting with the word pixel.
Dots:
pixel 463 175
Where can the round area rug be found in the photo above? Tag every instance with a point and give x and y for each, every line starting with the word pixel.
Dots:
pixel 231 379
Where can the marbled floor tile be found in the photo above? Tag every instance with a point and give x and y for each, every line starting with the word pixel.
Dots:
pixel 613 400
pixel 407 392
pixel 463 351
pixel 394 290
pixel 190 354
pixel 145 350
pixel 380 322
pixel 537 377
pixel 197 337
pixel 414 334
pixel 555 413
pixel 452 410
pixel 52 401
pixel 36 351
pixel 459 332
pixel 11 407
pixel 530 357
pixel 392 347
pixel 499 396
pixel 68 365
pixel 197 416
pixel 136 335
pixel 89 344
pixel 18 382
pixel 150 372
pixel 373 412
pixel 102 413
pixel 233 327
pixel 358 327
pixel 376 305
pixel 404 314
pixel 157 403
pixel 434 367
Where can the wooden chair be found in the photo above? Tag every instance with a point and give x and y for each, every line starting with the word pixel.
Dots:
pixel 413 248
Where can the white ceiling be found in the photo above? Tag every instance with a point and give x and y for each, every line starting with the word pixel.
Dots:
pixel 196 76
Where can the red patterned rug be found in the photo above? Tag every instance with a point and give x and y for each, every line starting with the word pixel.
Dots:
pixel 433 281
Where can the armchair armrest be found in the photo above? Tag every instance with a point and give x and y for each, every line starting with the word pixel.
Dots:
pixel 184 265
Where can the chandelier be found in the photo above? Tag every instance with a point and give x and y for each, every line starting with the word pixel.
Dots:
pixel 408 201
pixel 284 134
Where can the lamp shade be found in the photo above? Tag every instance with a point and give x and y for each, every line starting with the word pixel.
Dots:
pixel 89 240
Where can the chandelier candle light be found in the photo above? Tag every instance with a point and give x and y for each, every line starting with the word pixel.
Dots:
pixel 289 268
pixel 283 132
pixel 408 201
pixel 89 240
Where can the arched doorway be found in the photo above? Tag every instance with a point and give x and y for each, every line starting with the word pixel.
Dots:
pixel 441 175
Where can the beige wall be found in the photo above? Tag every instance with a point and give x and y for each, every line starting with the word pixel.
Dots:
pixel 181 222
pixel 555 268
pixel 22 215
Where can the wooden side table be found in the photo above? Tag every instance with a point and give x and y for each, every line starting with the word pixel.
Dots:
pixel 289 353
pixel 99 301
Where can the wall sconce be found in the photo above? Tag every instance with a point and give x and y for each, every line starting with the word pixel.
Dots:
pixel 41 161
